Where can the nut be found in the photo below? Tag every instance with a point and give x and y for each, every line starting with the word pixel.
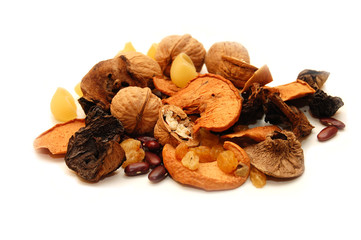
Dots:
pixel 169 48
pixel 137 108
pixel 173 126
pixel 231 61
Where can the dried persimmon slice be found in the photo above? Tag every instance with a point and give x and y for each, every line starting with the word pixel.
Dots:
pixel 56 138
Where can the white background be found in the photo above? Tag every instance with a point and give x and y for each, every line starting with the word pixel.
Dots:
pixel 50 44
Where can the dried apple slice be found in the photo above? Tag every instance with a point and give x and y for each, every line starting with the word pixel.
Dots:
pixel 208 175
pixel 56 138
pixel 214 98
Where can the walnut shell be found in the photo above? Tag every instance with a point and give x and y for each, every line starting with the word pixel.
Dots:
pixel 231 61
pixel 174 126
pixel 171 46
pixel 137 108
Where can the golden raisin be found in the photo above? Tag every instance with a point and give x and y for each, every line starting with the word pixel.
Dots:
pixel 215 151
pixel 181 150
pixel 227 162
pixel 257 177
pixel 207 138
pixel 133 151
pixel 191 160
pixel 63 106
pixel 204 153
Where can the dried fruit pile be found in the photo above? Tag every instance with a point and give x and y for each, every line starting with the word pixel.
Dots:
pixel 158 113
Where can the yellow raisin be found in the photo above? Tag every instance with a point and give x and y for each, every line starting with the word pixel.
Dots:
pixel 182 70
pixel 207 138
pixel 133 151
pixel 181 150
pixel 215 151
pixel 257 177
pixel 204 153
pixel 191 161
pixel 63 106
pixel 227 162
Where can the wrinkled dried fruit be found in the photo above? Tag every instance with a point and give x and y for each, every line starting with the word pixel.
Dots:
pixel 227 162
pixel 257 177
pixel 181 150
pixel 94 151
pixel 190 160
pixel 133 151
pixel 137 108
pixel 323 105
pixel 203 152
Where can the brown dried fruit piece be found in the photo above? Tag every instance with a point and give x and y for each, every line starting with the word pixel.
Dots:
pixel 170 46
pixel 275 107
pixel 137 108
pixel 280 155
pixel 208 176
pixel 213 97
pixel 94 151
pixel 56 138
pixel 107 77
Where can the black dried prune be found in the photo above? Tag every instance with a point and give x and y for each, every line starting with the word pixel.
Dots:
pixel 323 105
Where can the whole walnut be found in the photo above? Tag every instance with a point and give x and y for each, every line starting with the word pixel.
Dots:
pixel 231 61
pixel 107 77
pixel 137 108
pixel 172 45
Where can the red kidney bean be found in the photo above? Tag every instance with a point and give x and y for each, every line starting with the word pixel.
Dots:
pixel 153 159
pixel 157 174
pixel 333 122
pixel 138 168
pixel 145 139
pixel 327 133
pixel 153 146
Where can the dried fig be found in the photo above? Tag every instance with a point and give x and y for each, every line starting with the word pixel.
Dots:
pixel 107 77
pixel 171 46
pixel 173 126
pixel 137 108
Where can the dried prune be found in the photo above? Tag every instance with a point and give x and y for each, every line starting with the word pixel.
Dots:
pixel 94 151
pixel 323 105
